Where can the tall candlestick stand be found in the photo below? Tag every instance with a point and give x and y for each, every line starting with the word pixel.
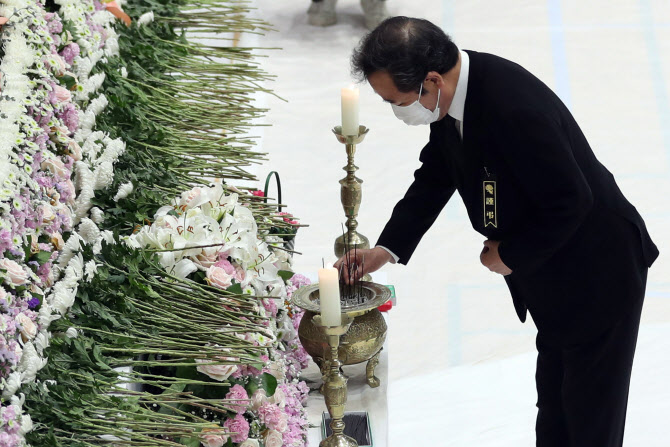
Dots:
pixel 335 385
pixel 351 194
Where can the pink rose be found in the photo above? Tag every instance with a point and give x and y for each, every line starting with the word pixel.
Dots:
pixel 272 438
pixel 213 437
pixel 258 399
pixel 74 150
pixel 28 328
pixel 276 369
pixel 69 187
pixel 282 425
pixel 238 427
pixel 15 273
pixel 57 241
pixel 250 443
pixel 206 260
pixel 279 398
pixel 240 274
pixel 62 94
pixel 217 371
pixel 47 213
pixel 217 277
pixel 56 167
pixel 240 398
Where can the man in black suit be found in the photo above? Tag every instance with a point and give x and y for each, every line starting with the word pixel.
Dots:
pixel 573 251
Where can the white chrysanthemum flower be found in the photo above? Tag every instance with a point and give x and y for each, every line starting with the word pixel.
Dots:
pixel 82 66
pixel 98 104
pixel 86 123
pixel 112 46
pixel 114 150
pixel 124 72
pixel 124 191
pixel 63 298
pixel 42 341
pixel 30 363
pixel 104 175
pixel 71 332
pixel 26 424
pixel 86 183
pixel 108 237
pixel 97 215
pixel 91 148
pixel 72 246
pixel 11 384
pixel 145 18
pixel 88 230
pixel 90 270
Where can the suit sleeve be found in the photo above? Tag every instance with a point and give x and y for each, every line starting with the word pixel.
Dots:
pixel 417 210
pixel 541 158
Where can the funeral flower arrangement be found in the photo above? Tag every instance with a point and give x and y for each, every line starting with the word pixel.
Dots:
pixel 38 205
pixel 208 236
pixel 178 333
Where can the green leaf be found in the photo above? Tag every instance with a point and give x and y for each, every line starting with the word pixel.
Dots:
pixel 190 442
pixel 285 274
pixel 69 81
pixel 177 386
pixel 43 256
pixel 235 288
pixel 188 372
pixel 269 384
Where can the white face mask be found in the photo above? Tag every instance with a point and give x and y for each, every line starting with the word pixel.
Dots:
pixel 416 114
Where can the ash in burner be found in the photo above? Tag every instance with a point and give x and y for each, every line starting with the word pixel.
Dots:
pixel 355 297
pixel 351 300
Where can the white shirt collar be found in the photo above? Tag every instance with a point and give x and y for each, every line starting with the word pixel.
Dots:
pixel 457 107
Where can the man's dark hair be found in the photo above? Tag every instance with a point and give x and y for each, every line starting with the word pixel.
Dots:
pixel 406 48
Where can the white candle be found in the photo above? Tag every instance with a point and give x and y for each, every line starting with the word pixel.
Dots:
pixel 329 296
pixel 350 110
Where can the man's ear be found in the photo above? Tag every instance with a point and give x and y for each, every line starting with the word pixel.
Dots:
pixel 435 78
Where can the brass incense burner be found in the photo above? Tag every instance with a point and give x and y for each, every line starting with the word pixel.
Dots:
pixel 364 339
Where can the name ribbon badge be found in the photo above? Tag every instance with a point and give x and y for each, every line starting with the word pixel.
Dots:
pixel 490 217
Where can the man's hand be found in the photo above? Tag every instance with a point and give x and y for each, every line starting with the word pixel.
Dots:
pixel 491 259
pixel 362 262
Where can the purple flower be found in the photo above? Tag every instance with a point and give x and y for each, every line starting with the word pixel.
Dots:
pixel 33 303
pixel 70 117
pixel 238 393
pixel 271 415
pixel 54 23
pixel 270 305
pixel 70 52
pixel 299 280
pixel 239 426
pixel 5 240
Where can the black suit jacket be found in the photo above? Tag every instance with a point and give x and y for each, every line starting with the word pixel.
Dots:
pixel 579 251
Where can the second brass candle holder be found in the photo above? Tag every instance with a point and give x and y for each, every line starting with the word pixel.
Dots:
pixel 335 384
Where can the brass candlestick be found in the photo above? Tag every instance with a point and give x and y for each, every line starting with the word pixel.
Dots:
pixel 351 194
pixel 335 385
